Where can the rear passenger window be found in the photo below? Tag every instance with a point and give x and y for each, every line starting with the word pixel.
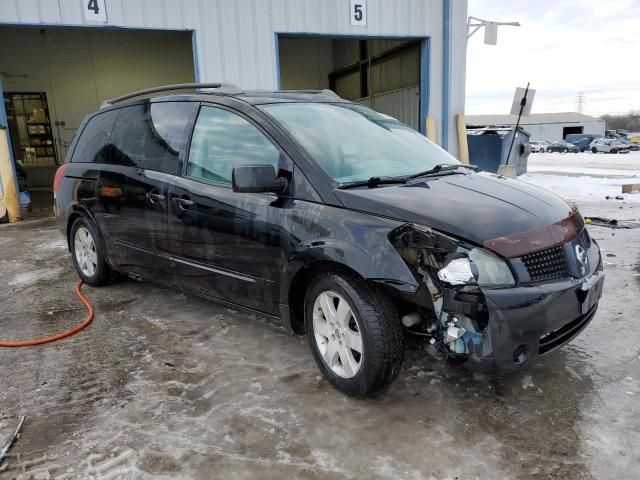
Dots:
pixel 92 143
pixel 223 140
pixel 151 135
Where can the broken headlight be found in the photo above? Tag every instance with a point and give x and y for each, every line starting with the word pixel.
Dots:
pixel 479 267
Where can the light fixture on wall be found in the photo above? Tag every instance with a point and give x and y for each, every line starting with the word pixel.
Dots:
pixel 490 29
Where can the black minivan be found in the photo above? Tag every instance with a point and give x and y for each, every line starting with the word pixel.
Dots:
pixel 349 226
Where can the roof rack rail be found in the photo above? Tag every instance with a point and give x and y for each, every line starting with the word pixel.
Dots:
pixel 221 87
pixel 326 91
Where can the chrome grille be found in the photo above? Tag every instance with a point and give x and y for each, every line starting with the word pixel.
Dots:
pixel 546 264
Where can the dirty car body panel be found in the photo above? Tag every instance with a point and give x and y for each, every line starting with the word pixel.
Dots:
pixel 410 237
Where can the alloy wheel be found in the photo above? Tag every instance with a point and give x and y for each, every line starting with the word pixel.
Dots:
pixel 337 334
pixel 85 251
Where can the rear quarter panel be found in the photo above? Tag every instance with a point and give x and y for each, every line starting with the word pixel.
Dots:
pixel 76 193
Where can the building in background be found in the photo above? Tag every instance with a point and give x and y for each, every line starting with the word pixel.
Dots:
pixel 59 60
pixel 542 126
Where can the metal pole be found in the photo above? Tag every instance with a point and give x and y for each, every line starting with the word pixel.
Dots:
pixel 523 102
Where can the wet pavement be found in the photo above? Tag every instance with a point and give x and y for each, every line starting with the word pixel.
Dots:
pixel 166 385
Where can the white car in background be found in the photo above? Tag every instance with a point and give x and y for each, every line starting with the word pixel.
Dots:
pixel 539 146
pixel 608 145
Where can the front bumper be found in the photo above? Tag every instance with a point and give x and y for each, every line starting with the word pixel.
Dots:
pixel 529 321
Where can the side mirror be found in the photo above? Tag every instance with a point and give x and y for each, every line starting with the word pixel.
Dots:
pixel 256 179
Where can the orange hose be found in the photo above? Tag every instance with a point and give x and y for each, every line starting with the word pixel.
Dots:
pixel 40 341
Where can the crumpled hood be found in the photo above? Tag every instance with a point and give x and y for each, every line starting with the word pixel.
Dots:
pixel 477 207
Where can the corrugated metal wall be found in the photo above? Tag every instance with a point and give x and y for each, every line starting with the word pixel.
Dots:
pixel 235 39
pixel 401 104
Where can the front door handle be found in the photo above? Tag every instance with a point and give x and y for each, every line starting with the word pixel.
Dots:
pixel 183 202
pixel 155 197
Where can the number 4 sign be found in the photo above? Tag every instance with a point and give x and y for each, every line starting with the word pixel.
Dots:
pixel 358 13
pixel 94 10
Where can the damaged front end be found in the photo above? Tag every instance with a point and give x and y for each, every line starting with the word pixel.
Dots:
pixel 478 308
pixel 457 316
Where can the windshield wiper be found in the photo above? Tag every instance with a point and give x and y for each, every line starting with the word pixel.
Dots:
pixel 374 182
pixel 442 167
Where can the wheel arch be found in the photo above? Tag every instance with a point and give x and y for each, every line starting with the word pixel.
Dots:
pixel 389 273
pixel 302 279
pixel 74 212
pixel 77 211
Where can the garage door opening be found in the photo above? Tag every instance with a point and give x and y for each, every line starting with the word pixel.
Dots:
pixel 569 130
pixel 53 77
pixel 30 127
pixel 384 74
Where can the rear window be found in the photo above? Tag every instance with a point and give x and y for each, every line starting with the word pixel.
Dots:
pixel 151 136
pixel 93 141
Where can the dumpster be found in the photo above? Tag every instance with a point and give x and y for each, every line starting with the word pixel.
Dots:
pixel 489 147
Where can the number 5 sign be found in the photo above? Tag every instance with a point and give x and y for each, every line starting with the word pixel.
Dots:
pixel 94 10
pixel 358 13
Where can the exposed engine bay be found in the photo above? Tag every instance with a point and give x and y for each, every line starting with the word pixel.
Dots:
pixel 459 316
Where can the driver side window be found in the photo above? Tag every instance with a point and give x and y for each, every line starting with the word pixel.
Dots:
pixel 223 140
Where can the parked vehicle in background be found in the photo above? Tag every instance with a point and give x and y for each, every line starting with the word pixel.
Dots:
pixel 349 226
pixel 582 140
pixel 634 147
pixel 608 145
pixel 539 146
pixel 611 134
pixel 563 147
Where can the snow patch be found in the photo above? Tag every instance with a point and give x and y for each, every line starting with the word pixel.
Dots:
pixel 583 188
pixel 25 279
pixel 58 244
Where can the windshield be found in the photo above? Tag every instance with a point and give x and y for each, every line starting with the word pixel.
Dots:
pixel 352 143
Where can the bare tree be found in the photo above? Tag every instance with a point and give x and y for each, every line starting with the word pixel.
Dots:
pixel 630 121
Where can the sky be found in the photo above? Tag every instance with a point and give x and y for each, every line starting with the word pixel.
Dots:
pixel 562 47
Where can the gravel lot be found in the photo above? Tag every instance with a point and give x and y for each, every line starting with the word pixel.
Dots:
pixel 164 385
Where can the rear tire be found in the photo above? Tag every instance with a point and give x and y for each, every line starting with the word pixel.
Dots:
pixel 87 253
pixel 355 336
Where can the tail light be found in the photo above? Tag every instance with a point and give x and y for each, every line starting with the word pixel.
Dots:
pixel 58 178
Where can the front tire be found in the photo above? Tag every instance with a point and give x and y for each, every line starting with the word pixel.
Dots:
pixel 594 150
pixel 355 336
pixel 87 253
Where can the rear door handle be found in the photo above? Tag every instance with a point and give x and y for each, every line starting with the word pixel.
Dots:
pixel 155 197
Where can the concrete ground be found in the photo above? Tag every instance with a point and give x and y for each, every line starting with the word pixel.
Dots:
pixel 165 385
